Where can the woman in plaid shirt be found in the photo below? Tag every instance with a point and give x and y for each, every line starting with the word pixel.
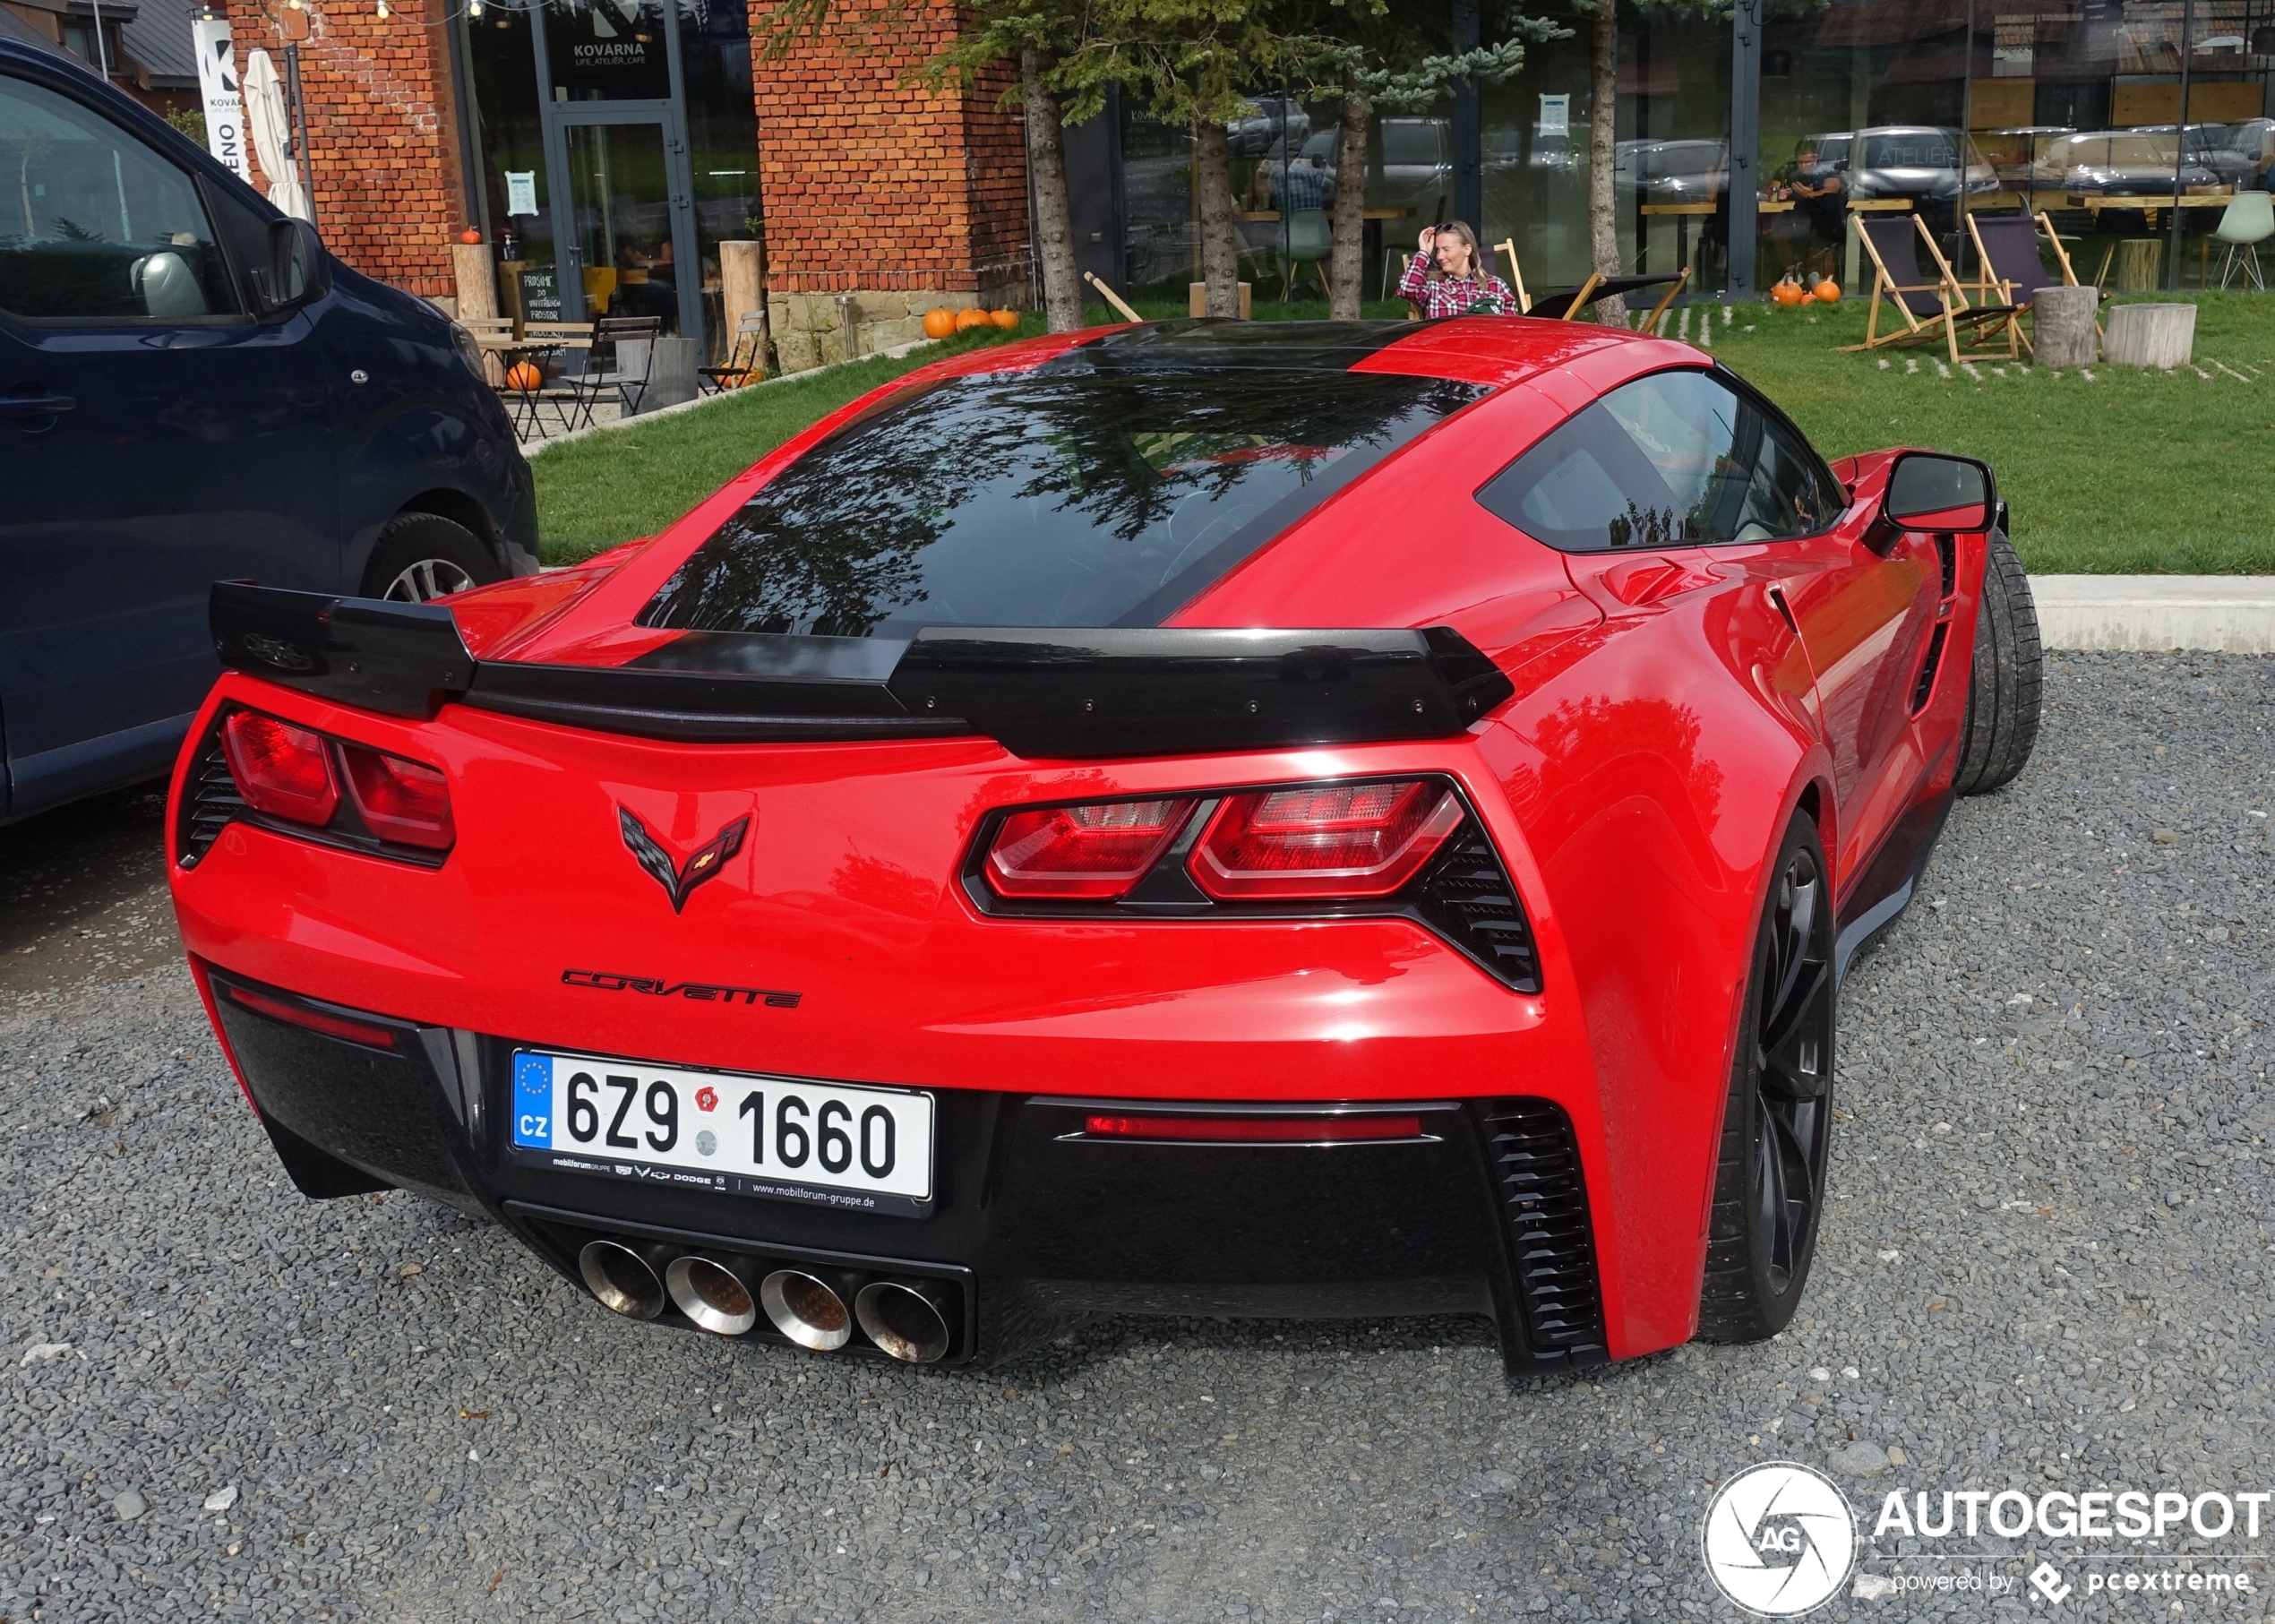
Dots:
pixel 1457 284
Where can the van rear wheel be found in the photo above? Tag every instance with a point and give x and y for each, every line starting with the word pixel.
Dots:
pixel 421 556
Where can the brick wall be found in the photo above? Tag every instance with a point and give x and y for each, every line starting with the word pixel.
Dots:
pixel 382 133
pixel 871 182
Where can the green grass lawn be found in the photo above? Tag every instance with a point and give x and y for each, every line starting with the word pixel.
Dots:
pixel 2121 472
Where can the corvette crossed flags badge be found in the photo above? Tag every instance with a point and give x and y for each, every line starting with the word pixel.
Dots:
pixel 678 880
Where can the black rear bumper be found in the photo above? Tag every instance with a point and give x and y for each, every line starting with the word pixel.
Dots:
pixel 1484 1213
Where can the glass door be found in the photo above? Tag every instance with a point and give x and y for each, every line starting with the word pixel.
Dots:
pixel 626 218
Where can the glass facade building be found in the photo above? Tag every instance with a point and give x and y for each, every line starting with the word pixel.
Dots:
pixel 1743 145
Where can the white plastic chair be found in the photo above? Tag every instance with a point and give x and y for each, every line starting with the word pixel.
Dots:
pixel 1311 240
pixel 2244 224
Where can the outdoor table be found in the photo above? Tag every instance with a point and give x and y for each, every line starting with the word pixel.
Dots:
pixel 1880 205
pixel 1371 214
pixel 1683 213
pixel 2148 202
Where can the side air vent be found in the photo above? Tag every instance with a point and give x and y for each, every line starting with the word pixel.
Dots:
pixel 1544 1200
pixel 1925 685
pixel 210 801
pixel 1468 898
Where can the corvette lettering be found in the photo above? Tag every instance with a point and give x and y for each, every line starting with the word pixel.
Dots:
pixel 702 992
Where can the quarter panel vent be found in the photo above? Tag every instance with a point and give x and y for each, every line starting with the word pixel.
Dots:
pixel 1544 1202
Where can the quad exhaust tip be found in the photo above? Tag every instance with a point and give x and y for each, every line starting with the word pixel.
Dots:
pixel 907 1319
pixel 715 1293
pixel 807 1310
pixel 627 1279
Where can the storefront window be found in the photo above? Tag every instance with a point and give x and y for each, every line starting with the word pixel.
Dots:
pixel 516 203
pixel 722 142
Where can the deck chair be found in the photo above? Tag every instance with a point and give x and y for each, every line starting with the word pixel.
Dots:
pixel 1981 316
pixel 2011 271
pixel 1507 246
pixel 1932 308
pixel 743 364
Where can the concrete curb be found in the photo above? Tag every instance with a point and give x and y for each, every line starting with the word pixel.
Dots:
pixel 535 448
pixel 2230 613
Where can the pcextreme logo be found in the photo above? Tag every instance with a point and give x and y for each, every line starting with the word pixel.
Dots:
pixel 1780 1539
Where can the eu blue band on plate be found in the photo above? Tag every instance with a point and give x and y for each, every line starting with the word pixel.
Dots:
pixel 533 1100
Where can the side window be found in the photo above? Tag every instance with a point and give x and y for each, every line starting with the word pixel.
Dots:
pixel 94 226
pixel 1677 458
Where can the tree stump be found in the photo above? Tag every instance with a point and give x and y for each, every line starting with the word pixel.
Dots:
pixel 2062 326
pixel 2140 264
pixel 2151 335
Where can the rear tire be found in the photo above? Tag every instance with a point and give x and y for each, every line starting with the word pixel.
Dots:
pixel 420 556
pixel 2007 682
pixel 1777 1124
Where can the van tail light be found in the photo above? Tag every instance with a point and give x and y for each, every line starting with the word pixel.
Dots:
pixel 1323 841
pixel 400 800
pixel 1095 852
pixel 281 769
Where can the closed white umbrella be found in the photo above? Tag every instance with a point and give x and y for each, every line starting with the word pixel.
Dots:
pixel 265 110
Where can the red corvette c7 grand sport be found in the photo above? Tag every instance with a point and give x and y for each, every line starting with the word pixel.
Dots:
pixel 1199 818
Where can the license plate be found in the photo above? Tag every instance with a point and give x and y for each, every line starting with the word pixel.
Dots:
pixel 863 1149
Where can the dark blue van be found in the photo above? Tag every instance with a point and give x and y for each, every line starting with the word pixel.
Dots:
pixel 191 390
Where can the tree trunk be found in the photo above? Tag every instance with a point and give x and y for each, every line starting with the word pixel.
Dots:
pixel 1054 224
pixel 1603 117
pixel 1347 269
pixel 1220 244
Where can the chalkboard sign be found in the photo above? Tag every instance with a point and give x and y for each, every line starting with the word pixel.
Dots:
pixel 540 295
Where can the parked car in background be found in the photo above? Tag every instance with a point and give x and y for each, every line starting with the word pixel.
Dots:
pixel 1921 162
pixel 192 390
pixel 1672 171
pixel 2215 147
pixel 2119 161
pixel 2014 153
pixel 1271 123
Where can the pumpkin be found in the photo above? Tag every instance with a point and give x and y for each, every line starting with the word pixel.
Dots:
pixel 1788 292
pixel 525 376
pixel 938 324
pixel 470 235
pixel 1829 291
pixel 971 318
pixel 1007 319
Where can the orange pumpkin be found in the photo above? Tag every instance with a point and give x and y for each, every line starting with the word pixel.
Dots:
pixel 971 318
pixel 938 324
pixel 1788 292
pixel 1829 291
pixel 470 235
pixel 1007 319
pixel 524 377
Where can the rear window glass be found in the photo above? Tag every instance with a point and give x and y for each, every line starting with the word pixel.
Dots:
pixel 1076 494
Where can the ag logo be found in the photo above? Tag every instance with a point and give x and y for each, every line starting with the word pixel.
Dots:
pixel 1780 1539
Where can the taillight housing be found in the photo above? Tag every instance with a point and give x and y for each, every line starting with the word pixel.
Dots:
pixel 1398 846
pixel 1096 851
pixel 259 768
pixel 1323 841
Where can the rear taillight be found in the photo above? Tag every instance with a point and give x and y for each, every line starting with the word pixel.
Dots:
pixel 399 800
pixel 281 769
pixel 1323 841
pixel 343 793
pixel 1093 852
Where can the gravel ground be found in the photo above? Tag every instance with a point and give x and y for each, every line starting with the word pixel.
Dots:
pixel 2045 1265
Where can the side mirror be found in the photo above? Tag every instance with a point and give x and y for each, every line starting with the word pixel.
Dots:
pixel 298 270
pixel 1930 492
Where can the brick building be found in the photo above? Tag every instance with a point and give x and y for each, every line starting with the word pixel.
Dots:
pixel 604 147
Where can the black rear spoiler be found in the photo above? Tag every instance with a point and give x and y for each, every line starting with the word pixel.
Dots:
pixel 1042 692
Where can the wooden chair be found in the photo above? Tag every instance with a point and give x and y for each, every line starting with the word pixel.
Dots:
pixel 1516 275
pixel 1930 309
pixel 743 362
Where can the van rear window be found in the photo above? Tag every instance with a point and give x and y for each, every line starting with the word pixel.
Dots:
pixel 1084 492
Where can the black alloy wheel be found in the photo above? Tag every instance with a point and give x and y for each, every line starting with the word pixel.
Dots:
pixel 1777 1127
